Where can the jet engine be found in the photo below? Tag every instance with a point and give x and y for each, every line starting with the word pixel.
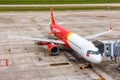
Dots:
pixel 53 49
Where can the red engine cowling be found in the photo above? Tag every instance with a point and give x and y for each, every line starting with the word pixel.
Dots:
pixel 53 49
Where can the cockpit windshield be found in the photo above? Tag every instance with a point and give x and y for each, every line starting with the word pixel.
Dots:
pixel 93 52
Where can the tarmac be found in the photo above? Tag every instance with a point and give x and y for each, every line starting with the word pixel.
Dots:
pixel 28 61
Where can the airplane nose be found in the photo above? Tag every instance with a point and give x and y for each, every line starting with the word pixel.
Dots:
pixel 98 59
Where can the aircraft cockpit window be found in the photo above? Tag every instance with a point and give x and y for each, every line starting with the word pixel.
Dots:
pixel 93 52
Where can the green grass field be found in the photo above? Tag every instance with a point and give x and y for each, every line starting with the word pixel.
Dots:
pixel 57 1
pixel 58 8
pixel 42 8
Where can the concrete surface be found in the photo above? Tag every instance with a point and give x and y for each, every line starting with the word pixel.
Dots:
pixel 27 61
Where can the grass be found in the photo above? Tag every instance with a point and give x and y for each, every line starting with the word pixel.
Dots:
pixel 58 8
pixel 57 1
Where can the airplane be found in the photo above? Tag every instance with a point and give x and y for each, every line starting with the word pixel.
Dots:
pixel 81 45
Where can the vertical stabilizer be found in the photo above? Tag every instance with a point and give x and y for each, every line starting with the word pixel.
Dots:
pixel 51 15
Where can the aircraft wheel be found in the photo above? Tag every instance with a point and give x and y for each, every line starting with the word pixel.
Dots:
pixel 89 65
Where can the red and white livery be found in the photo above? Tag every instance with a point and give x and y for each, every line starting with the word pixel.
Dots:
pixel 81 45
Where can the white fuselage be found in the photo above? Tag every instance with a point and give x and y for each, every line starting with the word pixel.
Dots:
pixel 82 46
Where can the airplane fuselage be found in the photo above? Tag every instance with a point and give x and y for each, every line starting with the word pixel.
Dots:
pixel 83 47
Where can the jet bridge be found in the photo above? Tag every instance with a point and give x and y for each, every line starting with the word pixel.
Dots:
pixel 109 49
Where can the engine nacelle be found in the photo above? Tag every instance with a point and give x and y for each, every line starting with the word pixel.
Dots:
pixel 53 49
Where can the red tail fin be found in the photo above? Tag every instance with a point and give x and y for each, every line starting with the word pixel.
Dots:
pixel 51 15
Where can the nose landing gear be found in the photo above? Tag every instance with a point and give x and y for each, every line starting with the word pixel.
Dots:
pixel 88 65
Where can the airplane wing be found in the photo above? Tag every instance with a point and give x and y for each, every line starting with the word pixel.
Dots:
pixel 39 39
pixel 99 34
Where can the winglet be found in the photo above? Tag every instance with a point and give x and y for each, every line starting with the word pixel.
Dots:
pixel 111 26
pixel 99 34
pixel 51 15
